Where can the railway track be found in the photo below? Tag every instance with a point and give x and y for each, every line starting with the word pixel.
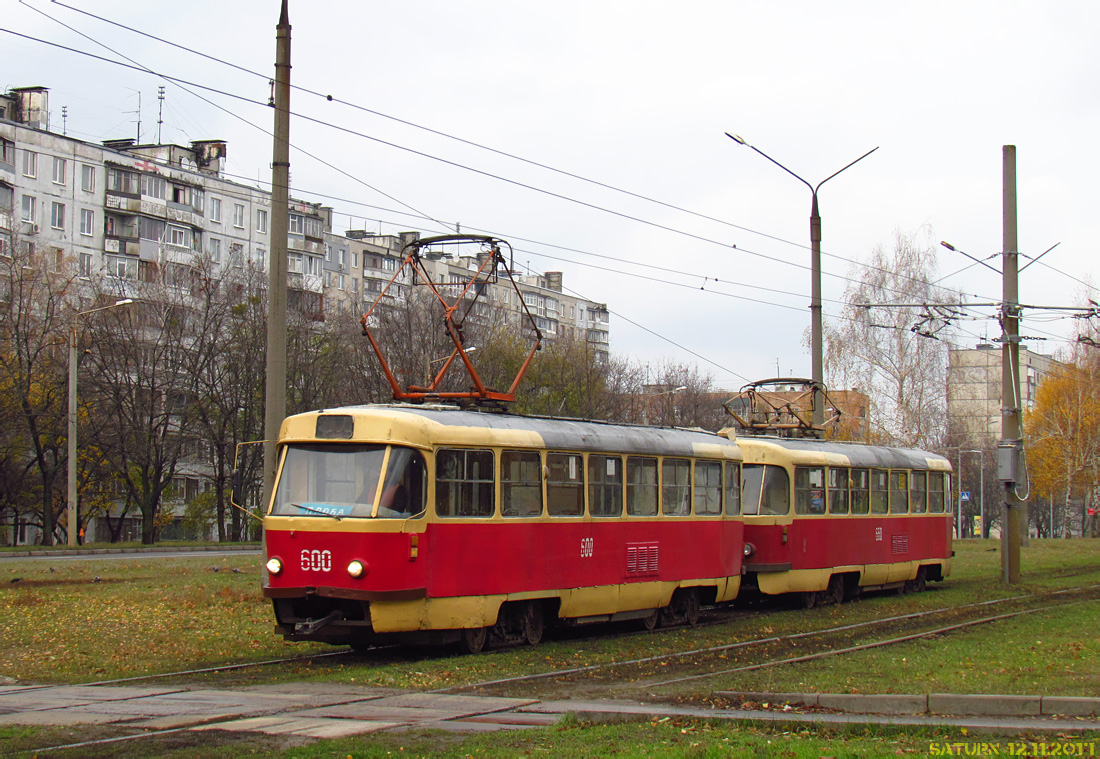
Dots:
pixel 639 677
pixel 708 661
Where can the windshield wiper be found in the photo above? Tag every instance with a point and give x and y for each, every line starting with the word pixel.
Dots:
pixel 316 511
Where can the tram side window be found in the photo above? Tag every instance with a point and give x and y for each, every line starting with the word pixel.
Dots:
pixel 809 490
pixel 564 485
pixel 676 487
pixel 918 492
pixel 880 492
pixel 605 486
pixel 641 486
pixel 520 484
pixel 838 490
pixel 464 483
pixel 733 489
pixel 708 488
pixel 861 491
pixel 936 492
pixel 776 498
pixel 899 492
pixel 405 489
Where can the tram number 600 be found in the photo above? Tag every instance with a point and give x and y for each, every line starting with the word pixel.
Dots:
pixel 316 561
pixel 587 546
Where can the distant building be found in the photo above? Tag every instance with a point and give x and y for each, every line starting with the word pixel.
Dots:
pixel 974 389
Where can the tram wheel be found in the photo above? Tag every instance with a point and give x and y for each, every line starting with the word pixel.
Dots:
pixel 652 622
pixel 809 599
pixel 472 640
pixel 919 584
pixel 534 624
pixel 835 593
pixel 691 608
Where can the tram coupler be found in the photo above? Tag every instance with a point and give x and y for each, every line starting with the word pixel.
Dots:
pixel 311 626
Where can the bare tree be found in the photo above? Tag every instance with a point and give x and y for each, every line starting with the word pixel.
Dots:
pixel 887 344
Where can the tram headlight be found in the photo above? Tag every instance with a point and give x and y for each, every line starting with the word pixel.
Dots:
pixel 356 568
pixel 748 550
pixel 274 565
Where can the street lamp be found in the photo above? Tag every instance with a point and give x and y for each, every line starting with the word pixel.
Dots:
pixel 816 327
pixel 71 506
pixel 670 393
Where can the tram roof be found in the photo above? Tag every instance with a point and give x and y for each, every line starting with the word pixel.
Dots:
pixel 858 454
pixel 556 433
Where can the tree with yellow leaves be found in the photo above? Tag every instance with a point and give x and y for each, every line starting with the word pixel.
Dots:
pixel 1063 433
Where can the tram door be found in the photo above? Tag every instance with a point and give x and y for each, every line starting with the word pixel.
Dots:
pixel 766 506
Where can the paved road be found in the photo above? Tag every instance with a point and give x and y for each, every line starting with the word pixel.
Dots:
pixel 328 710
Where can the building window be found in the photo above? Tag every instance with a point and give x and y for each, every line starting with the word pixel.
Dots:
pixel 7 152
pixel 85 264
pixel 216 209
pixel 122 181
pixel 294 263
pixel 121 267
pixel 153 186
pixel 215 249
pixel 179 237
pixel 57 215
pixel 87 221
pixel 59 170
pixel 152 229
pixel 295 224
pixel 340 283
pixel 261 221
pixel 29 206
pixel 328 279
pixel 238 216
pixel 87 178
pixel 30 163
pixel 355 259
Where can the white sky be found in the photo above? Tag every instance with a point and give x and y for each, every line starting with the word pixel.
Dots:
pixel 638 95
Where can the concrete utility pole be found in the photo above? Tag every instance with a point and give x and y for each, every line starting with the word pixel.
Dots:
pixel 275 406
pixel 816 325
pixel 1010 450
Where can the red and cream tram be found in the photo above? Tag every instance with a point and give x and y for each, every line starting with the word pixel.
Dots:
pixel 828 519
pixel 433 524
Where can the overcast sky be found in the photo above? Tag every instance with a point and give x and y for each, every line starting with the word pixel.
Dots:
pixel 637 96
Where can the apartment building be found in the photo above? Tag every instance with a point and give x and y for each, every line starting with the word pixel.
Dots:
pixel 974 389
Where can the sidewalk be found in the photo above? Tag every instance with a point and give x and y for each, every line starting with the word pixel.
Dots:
pixel 329 710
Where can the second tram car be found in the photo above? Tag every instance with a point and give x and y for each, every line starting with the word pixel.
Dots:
pixel 434 524
pixel 829 519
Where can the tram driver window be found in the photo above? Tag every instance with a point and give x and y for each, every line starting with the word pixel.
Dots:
pixel 809 490
pixel 403 494
pixel 464 483
pixel 328 480
pixel 765 490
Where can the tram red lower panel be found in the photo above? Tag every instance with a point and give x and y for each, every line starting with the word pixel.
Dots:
pixel 820 542
pixel 464 559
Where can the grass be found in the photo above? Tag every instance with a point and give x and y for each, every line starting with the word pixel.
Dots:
pixel 154 615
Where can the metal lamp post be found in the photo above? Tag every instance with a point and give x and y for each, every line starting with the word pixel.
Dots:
pixel 816 326
pixel 71 506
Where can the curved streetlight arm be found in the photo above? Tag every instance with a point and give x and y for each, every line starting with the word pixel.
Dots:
pixel 853 163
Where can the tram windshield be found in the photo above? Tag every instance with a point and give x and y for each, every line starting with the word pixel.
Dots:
pixel 337 481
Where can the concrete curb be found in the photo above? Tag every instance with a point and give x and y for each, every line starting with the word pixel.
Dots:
pixel 144 549
pixel 978 704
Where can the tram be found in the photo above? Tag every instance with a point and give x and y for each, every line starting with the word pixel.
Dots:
pixel 432 524
pixel 830 519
